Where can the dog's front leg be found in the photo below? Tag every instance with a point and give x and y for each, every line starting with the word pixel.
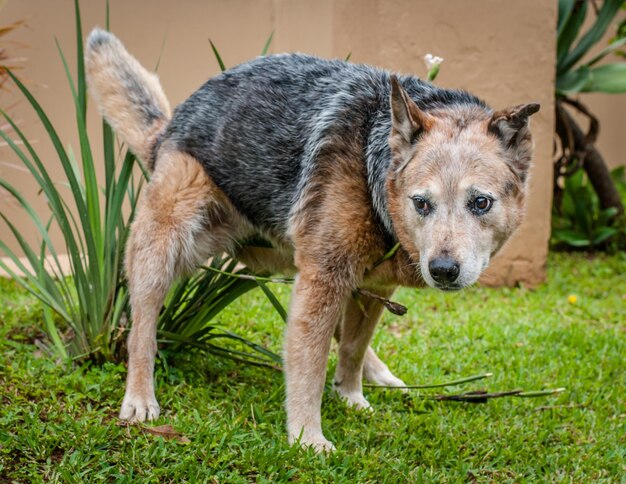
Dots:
pixel 355 355
pixel 315 309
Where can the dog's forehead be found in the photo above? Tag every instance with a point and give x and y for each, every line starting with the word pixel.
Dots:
pixel 471 160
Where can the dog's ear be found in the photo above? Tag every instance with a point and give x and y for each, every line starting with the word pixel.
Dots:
pixel 407 122
pixel 510 126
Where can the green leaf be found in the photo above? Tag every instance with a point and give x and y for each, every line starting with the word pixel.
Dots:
pixel 568 30
pixel 80 63
pixel 573 81
pixel 602 234
pixel 606 15
pixel 274 300
pixel 65 162
pixel 605 216
pixel 266 48
pixel 217 56
pixel 34 217
pixel 612 47
pixel 609 78
pixel 565 11
pixel 55 202
pixel 575 239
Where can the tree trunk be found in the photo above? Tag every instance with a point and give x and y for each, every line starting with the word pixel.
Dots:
pixel 596 169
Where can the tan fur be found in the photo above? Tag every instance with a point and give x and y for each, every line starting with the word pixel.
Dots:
pixel 263 259
pixel 107 68
pixel 400 270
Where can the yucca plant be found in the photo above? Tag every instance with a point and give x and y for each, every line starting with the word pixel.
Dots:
pixel 86 311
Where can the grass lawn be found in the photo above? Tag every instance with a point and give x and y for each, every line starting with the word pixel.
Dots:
pixel 59 424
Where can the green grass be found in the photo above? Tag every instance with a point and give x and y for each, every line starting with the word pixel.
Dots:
pixel 59 424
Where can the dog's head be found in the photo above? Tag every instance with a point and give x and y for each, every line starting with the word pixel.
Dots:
pixel 457 184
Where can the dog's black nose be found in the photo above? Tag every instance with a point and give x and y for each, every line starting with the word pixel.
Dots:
pixel 443 270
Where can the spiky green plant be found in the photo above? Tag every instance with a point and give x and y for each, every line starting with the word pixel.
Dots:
pixel 574 76
pixel 86 311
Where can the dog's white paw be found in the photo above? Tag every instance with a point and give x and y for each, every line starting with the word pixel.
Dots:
pixel 139 409
pixel 353 398
pixel 309 438
pixel 318 443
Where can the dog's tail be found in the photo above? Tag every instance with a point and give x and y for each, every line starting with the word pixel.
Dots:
pixel 128 96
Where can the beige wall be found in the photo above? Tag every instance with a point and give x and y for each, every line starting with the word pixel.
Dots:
pixel 501 51
pixel 610 109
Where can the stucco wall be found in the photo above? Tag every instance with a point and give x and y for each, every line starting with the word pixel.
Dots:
pixel 610 109
pixel 501 51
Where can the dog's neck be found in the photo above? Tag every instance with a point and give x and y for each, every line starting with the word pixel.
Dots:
pixel 377 162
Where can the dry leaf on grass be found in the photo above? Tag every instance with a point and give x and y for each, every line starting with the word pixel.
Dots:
pixel 167 432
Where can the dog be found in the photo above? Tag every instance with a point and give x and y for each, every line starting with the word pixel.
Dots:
pixel 332 163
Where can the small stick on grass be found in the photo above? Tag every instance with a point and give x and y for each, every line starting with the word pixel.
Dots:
pixel 482 396
pixel 460 381
pixel 477 396
pixel 541 393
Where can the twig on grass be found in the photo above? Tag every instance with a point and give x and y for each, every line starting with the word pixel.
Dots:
pixel 460 381
pixel 482 396
pixel 474 396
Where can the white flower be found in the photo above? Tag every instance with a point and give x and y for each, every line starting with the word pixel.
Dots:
pixel 432 61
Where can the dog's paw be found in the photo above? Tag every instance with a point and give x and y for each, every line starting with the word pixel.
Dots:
pixel 354 398
pixel 313 438
pixel 357 401
pixel 139 409
pixel 318 443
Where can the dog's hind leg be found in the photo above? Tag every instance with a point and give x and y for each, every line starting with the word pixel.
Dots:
pixel 356 357
pixel 179 223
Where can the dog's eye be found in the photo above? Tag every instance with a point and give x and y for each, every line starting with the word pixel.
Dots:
pixel 481 205
pixel 422 206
